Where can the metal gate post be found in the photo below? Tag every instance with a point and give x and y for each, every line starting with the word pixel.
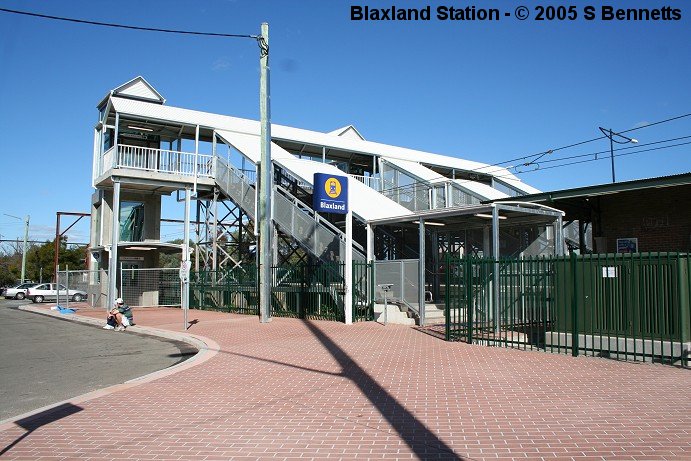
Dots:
pixel 496 293
pixel 447 297
pixel 574 308
pixel 370 300
pixel 469 296
pixel 67 286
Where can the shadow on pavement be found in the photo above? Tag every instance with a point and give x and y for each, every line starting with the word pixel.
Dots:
pixel 33 422
pixel 424 443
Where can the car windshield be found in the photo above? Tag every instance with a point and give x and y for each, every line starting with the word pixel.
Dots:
pixel 26 285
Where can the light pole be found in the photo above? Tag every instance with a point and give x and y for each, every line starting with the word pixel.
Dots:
pixel 26 237
pixel 611 134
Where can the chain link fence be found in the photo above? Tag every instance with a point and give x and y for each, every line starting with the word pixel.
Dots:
pixel 84 285
pixel 150 287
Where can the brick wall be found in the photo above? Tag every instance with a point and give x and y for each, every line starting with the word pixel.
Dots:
pixel 659 218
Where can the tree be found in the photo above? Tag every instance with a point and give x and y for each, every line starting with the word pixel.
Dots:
pixel 40 259
pixel 173 259
pixel 11 264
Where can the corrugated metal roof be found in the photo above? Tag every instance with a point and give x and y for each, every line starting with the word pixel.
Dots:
pixel 240 125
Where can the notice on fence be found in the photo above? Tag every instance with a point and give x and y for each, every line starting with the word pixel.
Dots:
pixel 609 272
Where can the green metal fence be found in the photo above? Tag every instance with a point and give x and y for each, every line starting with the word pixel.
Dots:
pixel 309 291
pixel 363 291
pixel 623 306
pixel 230 290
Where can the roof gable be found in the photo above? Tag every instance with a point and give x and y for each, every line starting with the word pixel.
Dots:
pixel 349 132
pixel 137 88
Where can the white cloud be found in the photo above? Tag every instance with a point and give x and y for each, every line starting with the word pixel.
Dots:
pixel 43 233
pixel 221 64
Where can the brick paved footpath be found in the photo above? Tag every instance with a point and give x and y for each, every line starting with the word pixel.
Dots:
pixel 295 389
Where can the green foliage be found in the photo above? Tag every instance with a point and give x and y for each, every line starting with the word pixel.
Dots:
pixel 39 262
pixel 169 260
pixel 173 260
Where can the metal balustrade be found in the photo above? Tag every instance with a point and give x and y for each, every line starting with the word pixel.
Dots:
pixel 374 182
pixel 159 161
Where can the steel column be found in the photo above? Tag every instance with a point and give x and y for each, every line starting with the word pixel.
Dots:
pixel 495 278
pixel 421 271
pixel 185 295
pixel 114 240
pixel 348 276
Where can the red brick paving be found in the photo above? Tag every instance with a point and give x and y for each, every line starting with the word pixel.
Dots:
pixel 292 389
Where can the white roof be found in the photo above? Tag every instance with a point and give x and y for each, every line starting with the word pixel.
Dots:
pixel 478 189
pixel 365 202
pixel 346 143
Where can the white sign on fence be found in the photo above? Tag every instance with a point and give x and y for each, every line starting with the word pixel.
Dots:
pixel 609 272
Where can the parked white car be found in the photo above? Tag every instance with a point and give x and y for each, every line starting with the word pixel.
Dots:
pixel 18 291
pixel 48 291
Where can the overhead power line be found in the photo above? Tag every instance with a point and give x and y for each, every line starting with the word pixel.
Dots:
pixel 636 147
pixel 568 146
pixel 124 26
pixel 656 123
pixel 606 158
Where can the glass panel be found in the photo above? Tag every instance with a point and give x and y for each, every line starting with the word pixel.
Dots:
pixel 131 221
pixel 505 188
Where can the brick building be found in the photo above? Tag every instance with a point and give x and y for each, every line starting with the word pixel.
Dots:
pixel 652 214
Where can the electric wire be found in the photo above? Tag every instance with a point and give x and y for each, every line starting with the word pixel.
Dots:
pixel 549 151
pixel 568 146
pixel 615 150
pixel 616 155
pixel 262 45
pixel 656 123
pixel 124 26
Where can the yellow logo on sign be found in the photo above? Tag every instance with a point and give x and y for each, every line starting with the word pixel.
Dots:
pixel 332 187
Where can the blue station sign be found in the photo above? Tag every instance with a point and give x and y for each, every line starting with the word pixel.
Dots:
pixel 330 193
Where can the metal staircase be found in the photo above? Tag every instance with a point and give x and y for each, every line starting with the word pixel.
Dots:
pixel 291 216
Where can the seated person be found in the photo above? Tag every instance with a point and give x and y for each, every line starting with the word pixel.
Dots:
pixel 121 314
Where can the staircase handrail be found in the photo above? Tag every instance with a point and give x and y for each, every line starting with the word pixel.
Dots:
pixel 416 311
pixel 307 209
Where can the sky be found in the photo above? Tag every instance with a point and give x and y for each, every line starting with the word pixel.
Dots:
pixel 489 91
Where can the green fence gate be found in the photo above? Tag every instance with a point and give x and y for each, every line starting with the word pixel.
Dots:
pixel 309 291
pixel 623 306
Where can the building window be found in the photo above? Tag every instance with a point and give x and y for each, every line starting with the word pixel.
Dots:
pixel 132 222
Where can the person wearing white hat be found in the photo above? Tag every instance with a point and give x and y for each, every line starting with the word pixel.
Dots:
pixel 121 314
